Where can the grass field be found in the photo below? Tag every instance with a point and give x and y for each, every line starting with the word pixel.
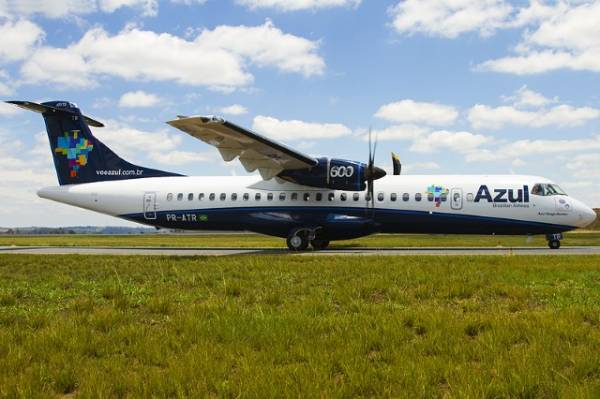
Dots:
pixel 287 326
pixel 575 238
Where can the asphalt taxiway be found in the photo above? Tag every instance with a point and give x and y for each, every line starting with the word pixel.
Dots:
pixel 178 251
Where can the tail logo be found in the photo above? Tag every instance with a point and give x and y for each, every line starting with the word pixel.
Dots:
pixel 76 149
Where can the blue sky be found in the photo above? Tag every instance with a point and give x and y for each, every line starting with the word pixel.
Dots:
pixel 454 87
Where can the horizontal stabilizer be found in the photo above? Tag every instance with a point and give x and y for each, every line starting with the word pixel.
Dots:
pixel 41 108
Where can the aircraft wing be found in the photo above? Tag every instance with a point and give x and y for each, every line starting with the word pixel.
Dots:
pixel 254 151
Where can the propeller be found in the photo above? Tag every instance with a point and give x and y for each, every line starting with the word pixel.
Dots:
pixel 372 172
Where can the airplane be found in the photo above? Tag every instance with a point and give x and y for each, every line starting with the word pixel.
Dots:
pixel 306 200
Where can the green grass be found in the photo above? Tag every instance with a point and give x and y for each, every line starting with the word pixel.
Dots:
pixel 289 326
pixel 576 238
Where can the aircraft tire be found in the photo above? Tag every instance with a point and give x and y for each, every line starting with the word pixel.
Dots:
pixel 297 241
pixel 319 244
pixel 554 244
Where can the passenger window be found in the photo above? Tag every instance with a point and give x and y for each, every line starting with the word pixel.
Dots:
pixel 405 197
pixel 190 197
pixel 246 196
pixel 331 197
pixel 356 196
pixel 380 197
pixel 281 196
pixel 343 196
pixel 367 197
pixel 270 197
pixel 211 197
pixel 294 196
pixel 223 197
pixel 234 197
pixel 469 197
pixel 257 197
pixel 444 197
pixel 430 197
pixel 170 197
pixel 306 196
pixel 319 197
pixel 180 197
pixel 418 197
pixel 201 197
pixel 393 197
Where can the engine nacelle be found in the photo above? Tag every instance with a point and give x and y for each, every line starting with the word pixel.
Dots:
pixel 335 174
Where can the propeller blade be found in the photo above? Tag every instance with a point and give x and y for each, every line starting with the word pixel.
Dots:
pixel 375 146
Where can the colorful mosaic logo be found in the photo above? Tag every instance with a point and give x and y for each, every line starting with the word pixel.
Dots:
pixel 76 149
pixel 438 192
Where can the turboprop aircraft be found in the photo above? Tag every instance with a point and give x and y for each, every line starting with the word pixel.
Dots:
pixel 307 200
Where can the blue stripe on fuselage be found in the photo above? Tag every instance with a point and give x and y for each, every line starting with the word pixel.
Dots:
pixel 342 222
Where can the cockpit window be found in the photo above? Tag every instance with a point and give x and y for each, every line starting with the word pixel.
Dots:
pixel 545 190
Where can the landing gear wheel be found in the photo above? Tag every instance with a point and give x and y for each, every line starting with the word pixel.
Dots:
pixel 554 244
pixel 319 244
pixel 297 241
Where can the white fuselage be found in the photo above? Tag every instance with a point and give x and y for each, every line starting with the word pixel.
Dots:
pixel 181 202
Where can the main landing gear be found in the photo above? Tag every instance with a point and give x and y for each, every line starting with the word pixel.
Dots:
pixel 554 240
pixel 299 239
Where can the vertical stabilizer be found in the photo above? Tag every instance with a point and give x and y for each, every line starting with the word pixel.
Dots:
pixel 79 157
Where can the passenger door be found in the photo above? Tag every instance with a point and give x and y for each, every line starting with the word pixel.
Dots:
pixel 456 198
pixel 150 206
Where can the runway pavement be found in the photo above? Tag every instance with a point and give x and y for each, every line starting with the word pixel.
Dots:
pixel 446 251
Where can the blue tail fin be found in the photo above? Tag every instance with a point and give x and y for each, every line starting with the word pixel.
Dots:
pixel 79 157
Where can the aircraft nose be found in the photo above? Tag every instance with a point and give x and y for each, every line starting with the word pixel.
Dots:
pixel 590 216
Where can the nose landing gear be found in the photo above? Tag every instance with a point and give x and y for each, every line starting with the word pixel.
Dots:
pixel 554 240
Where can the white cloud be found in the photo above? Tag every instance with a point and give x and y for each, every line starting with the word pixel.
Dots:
pixel 234 109
pixel 159 146
pixel 409 111
pixel 50 9
pixel 68 68
pixel 517 163
pixel 67 8
pixel 450 18
pixel 266 45
pixel 149 7
pixel 17 39
pixel 524 97
pixel 216 58
pixel 568 37
pixel 425 140
pixel 398 132
pixel 483 116
pixel 6 89
pixel 298 130
pixel 538 148
pixel 127 141
pixel 8 109
pixel 296 5
pixel 189 2
pixel 138 99
pixel 559 34
pixel 177 158
pixel 585 165
pixel 461 142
